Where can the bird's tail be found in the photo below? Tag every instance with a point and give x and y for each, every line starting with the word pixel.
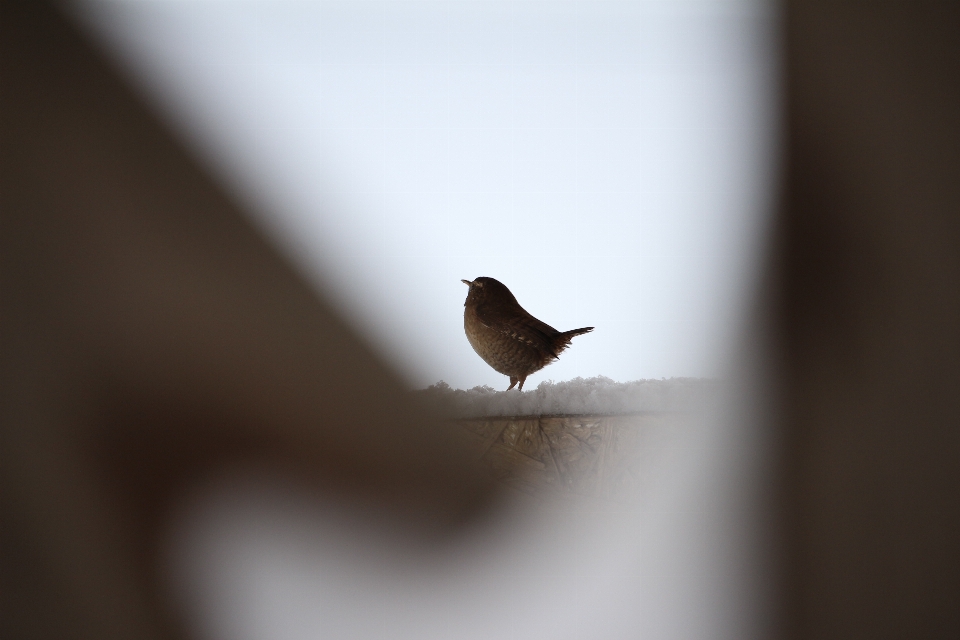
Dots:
pixel 575 332
pixel 562 340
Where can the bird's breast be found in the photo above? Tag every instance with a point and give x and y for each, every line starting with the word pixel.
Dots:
pixel 507 355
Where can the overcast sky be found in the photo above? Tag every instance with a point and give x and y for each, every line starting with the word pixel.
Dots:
pixel 610 162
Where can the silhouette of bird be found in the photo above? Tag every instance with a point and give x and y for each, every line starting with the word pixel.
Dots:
pixel 508 338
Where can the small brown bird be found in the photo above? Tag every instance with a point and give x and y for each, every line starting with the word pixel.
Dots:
pixel 508 338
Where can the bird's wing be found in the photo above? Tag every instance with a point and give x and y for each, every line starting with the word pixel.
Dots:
pixel 521 326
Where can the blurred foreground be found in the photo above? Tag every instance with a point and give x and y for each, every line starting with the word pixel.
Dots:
pixel 153 345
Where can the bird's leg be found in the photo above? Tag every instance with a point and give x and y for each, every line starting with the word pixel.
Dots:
pixel 513 383
pixel 522 380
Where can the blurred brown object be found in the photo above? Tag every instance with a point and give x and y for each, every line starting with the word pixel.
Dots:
pixel 868 314
pixel 150 338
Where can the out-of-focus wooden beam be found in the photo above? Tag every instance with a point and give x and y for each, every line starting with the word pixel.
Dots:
pixel 869 313
pixel 150 337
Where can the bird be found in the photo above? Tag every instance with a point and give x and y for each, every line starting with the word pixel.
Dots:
pixel 508 338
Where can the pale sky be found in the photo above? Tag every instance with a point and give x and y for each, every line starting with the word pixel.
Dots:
pixel 610 162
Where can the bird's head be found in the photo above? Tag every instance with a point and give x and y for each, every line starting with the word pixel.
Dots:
pixel 483 289
pixel 475 294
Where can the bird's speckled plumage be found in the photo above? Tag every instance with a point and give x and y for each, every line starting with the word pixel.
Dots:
pixel 508 338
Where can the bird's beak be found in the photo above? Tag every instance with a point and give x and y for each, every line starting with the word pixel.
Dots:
pixel 467 282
